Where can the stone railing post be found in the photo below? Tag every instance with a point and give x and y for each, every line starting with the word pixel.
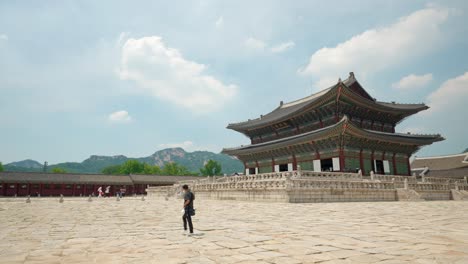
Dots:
pixel 423 178
pixel 406 184
pixel 299 171
pixel 466 180
pixel 360 173
pixel 456 186
pixel 372 176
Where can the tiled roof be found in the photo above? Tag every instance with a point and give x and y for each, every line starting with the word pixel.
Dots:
pixel 441 162
pixel 453 173
pixel 287 110
pixel 324 132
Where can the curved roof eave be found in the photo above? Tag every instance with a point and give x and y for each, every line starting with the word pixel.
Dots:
pixel 281 112
pixel 394 137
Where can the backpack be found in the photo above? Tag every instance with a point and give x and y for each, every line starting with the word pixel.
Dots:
pixel 193 196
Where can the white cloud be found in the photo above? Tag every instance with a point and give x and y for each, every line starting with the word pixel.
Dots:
pixel 450 98
pixel 164 73
pixel 413 82
pixel 3 37
pixel 186 145
pixel 219 23
pixel 260 45
pixel 446 115
pixel 254 44
pixel 120 117
pixel 282 47
pixel 379 48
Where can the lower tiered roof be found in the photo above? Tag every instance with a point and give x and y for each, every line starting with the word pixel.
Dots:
pixel 343 128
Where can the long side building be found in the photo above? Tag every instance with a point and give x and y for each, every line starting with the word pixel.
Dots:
pixel 73 184
pixel 341 128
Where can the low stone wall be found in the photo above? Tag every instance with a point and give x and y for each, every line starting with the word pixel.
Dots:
pixel 435 195
pixel 340 195
pixel 311 187
pixel 247 195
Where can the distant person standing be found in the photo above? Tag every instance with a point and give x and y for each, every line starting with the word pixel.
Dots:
pixel 188 208
pixel 100 191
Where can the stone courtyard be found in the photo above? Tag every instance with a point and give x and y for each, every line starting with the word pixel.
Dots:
pixel 136 231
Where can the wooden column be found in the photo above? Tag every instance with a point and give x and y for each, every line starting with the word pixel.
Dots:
pixel 73 189
pixel 272 164
pixel 17 189
pixel 409 168
pixel 40 189
pixel 294 162
pixel 29 188
pixel 342 160
pixel 372 161
pixel 361 162
pixel 394 164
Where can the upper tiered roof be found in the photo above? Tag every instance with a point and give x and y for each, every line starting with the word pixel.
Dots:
pixel 348 88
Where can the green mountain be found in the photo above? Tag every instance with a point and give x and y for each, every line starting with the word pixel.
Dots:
pixel 94 164
pixel 24 165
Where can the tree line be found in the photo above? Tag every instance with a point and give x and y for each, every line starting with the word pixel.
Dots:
pixel 210 168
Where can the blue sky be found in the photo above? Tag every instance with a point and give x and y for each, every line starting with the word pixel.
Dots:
pixel 119 77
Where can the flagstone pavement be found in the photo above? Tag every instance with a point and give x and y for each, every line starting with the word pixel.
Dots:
pixel 136 231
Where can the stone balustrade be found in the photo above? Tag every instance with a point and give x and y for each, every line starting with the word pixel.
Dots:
pixel 394 178
pixel 351 185
pixel 440 180
pixel 429 187
pixel 329 175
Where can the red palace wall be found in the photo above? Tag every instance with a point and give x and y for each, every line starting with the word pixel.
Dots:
pixel 44 189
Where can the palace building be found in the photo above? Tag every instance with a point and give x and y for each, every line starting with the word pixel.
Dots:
pixel 341 128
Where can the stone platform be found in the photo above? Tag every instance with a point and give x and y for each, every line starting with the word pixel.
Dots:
pixel 136 231
pixel 311 187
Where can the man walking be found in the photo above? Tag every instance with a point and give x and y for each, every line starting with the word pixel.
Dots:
pixel 188 208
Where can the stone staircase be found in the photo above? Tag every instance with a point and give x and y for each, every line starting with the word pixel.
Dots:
pixel 408 195
pixel 459 195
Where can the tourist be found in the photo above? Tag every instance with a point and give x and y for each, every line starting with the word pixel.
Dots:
pixel 188 208
pixel 107 191
pixel 99 191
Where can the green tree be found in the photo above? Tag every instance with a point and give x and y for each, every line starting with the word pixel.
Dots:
pixel 151 170
pixel 172 168
pixel 112 170
pixel 211 168
pixel 1 166
pixel 58 170
pixel 132 167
